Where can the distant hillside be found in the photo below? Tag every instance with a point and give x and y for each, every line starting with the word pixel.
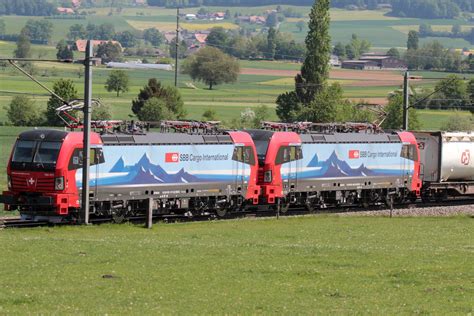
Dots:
pixel 432 9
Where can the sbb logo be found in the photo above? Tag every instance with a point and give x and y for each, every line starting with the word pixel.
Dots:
pixel 172 157
pixel 466 157
pixel 354 154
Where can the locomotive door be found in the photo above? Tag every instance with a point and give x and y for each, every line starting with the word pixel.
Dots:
pixel 238 158
pixel 289 157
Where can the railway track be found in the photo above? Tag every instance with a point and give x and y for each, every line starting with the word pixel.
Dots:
pixel 17 222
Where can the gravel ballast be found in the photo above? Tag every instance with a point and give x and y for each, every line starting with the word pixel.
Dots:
pixel 418 211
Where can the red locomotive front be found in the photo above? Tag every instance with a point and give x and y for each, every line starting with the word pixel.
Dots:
pixel 39 180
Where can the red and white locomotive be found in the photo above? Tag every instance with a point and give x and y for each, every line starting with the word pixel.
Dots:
pixel 202 172
pixel 182 173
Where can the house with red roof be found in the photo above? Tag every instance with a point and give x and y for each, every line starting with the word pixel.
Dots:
pixel 62 10
pixel 80 45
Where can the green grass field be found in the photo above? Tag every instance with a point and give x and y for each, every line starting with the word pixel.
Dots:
pixel 311 265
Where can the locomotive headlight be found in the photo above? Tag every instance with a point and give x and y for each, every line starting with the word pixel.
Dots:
pixel 9 179
pixel 267 176
pixel 59 183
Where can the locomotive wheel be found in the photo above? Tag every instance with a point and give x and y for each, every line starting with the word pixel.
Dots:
pixel 284 208
pixel 118 217
pixel 221 212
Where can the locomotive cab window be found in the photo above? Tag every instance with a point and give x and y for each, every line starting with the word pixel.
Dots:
pixel 409 152
pixel 44 152
pixel 288 153
pixel 96 156
pixel 24 151
pixel 244 154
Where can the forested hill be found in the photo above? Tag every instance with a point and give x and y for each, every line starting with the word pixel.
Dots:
pixel 404 8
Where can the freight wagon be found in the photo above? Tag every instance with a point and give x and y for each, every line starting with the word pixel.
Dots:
pixel 446 164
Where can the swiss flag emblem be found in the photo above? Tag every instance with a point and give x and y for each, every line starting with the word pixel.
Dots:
pixel 172 157
pixel 354 154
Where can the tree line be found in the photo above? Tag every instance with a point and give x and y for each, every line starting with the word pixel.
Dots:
pixel 425 30
pixel 434 56
pixel 27 7
pixel 243 45
pixel 430 9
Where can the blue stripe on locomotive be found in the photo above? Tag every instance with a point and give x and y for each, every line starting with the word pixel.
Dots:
pixel 155 164
pixel 349 160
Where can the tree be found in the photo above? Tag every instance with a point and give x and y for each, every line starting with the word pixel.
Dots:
pixel 288 106
pixel 451 93
pixel 394 52
pixel 211 66
pixel 2 27
pixel 105 31
pixel 64 52
pixel 456 29
pixel 27 7
pixel 153 36
pixel 217 37
pixel 22 111
pixel 394 110
pixel 126 38
pixel 425 30
pixel 458 122
pixel 117 81
pixel 323 108
pixel 339 50
pixel 76 31
pixel 261 114
pixel 109 52
pixel 470 92
pixel 155 109
pixel 412 42
pixel 209 115
pixel 315 69
pixel 359 47
pixel 65 89
pixel 101 113
pixel 300 25
pixel 271 43
pixel 23 47
pixel 170 96
pixel 38 30
pixel 182 48
pixel 272 20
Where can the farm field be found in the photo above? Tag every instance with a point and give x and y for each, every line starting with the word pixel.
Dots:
pixel 381 30
pixel 307 265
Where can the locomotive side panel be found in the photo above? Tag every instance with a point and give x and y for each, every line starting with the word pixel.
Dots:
pixel 353 165
pixel 168 171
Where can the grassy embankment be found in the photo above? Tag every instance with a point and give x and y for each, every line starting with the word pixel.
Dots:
pixel 309 265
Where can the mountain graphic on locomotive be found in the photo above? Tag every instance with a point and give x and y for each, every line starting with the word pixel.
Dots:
pixel 233 171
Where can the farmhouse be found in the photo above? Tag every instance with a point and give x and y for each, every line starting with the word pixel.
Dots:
pixel 360 64
pixel 201 37
pixel 385 61
pixel 76 3
pixel 80 45
pixel 253 19
pixel 62 10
